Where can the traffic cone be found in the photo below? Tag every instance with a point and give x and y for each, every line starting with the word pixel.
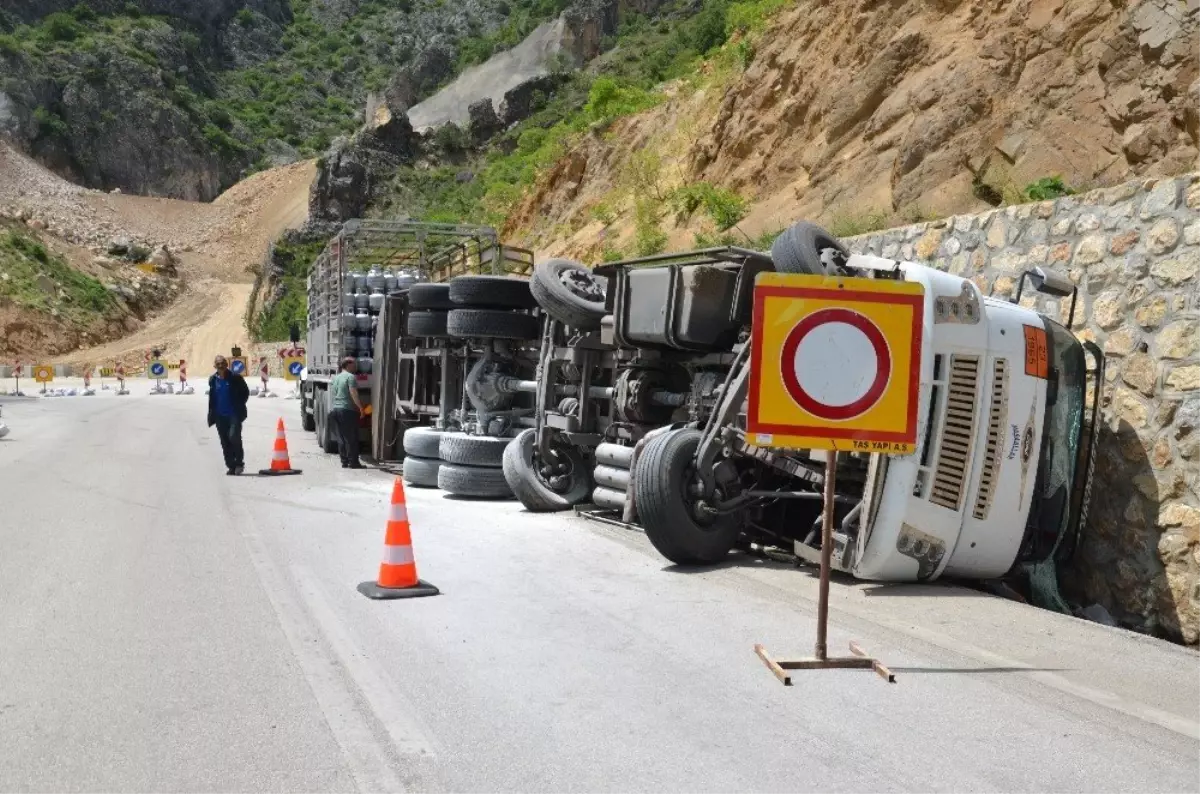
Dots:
pixel 398 571
pixel 280 463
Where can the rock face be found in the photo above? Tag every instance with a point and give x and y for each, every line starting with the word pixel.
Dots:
pixel 1093 91
pixel 348 174
pixel 1139 300
pixel 207 14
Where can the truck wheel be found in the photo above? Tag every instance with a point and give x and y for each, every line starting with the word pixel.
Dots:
pixel 307 420
pixel 325 437
pixel 421 472
pixel 430 296
pixel 495 292
pixel 807 248
pixel 492 323
pixel 524 476
pixel 476 481
pixel 431 323
pixel 422 442
pixel 468 450
pixel 661 482
pixel 569 293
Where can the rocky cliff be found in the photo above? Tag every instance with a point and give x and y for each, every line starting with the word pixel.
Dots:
pixel 894 110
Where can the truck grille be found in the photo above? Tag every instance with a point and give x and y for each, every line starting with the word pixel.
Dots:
pixel 954 454
pixel 991 465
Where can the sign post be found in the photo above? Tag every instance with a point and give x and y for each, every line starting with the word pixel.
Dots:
pixel 835 365
pixel 17 378
pixel 43 375
pixel 157 369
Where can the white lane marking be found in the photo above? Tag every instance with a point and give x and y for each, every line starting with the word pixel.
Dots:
pixel 394 712
pixel 365 756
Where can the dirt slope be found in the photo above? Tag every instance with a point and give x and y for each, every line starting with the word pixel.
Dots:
pixel 889 108
pixel 216 245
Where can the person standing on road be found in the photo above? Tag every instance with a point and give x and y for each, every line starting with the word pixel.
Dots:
pixel 345 410
pixel 227 398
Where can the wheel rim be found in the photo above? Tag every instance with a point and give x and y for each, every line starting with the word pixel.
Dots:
pixel 582 285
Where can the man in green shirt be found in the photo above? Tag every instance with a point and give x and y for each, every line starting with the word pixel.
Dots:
pixel 345 410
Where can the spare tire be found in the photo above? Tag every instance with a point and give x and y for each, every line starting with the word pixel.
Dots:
pixel 472 450
pixel 569 292
pixel 492 323
pixel 807 248
pixel 430 296
pixel 496 292
pixel 661 486
pixel 475 481
pixel 423 442
pixel 421 472
pixel 427 323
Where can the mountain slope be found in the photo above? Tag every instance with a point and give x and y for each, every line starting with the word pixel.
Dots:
pixel 860 114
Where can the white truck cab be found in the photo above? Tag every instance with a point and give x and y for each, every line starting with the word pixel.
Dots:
pixel 997 477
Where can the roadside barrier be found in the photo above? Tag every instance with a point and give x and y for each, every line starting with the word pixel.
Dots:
pixel 398 570
pixel 280 462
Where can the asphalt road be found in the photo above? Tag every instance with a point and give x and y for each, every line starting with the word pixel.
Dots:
pixel 164 627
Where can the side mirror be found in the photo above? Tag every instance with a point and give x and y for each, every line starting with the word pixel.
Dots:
pixel 1050 284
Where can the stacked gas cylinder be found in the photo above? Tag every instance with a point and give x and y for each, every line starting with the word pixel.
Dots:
pixel 361 305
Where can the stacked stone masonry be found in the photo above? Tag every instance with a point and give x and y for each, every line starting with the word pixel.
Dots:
pixel 1134 252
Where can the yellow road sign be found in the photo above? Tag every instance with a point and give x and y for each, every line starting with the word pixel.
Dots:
pixel 43 374
pixel 835 363
pixel 157 368
pixel 292 367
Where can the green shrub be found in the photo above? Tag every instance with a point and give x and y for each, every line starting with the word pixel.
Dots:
pixel 845 224
pixel 723 206
pixel 609 100
pixel 49 123
pixel 61 26
pixel 1047 188
pixel 245 18
pixel 9 44
pixel 649 238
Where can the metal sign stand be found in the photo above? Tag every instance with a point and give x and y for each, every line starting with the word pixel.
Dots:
pixel 821 660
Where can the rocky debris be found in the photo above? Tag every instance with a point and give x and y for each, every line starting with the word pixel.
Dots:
pixel 484 123
pixel 352 169
pixel 520 102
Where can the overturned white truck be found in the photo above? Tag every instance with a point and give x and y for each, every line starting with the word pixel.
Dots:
pixel 642 408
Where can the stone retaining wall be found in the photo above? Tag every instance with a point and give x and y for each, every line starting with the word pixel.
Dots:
pixel 1134 251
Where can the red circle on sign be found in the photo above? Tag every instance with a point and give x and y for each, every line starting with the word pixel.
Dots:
pixel 835 413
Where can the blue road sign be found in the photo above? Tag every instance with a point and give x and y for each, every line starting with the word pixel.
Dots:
pixel 296 368
pixel 158 369
pixel 238 367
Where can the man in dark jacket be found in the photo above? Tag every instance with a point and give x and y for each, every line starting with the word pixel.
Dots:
pixel 227 398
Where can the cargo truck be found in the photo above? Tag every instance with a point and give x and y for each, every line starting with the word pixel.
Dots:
pixel 379 292
pixel 999 481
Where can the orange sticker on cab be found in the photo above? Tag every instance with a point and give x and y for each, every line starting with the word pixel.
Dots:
pixel 1037 356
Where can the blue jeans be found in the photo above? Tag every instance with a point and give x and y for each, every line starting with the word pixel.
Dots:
pixel 229 430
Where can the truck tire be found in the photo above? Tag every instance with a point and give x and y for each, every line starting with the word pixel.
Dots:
pixel 326 439
pixel 431 323
pixel 474 481
pixel 661 479
pixel 807 248
pixel 568 292
pixel 460 448
pixel 307 421
pixel 421 472
pixel 492 323
pixel 492 292
pixel 523 477
pixel 430 296
pixel 423 442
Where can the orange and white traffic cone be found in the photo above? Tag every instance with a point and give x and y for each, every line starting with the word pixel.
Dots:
pixel 280 463
pixel 398 571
